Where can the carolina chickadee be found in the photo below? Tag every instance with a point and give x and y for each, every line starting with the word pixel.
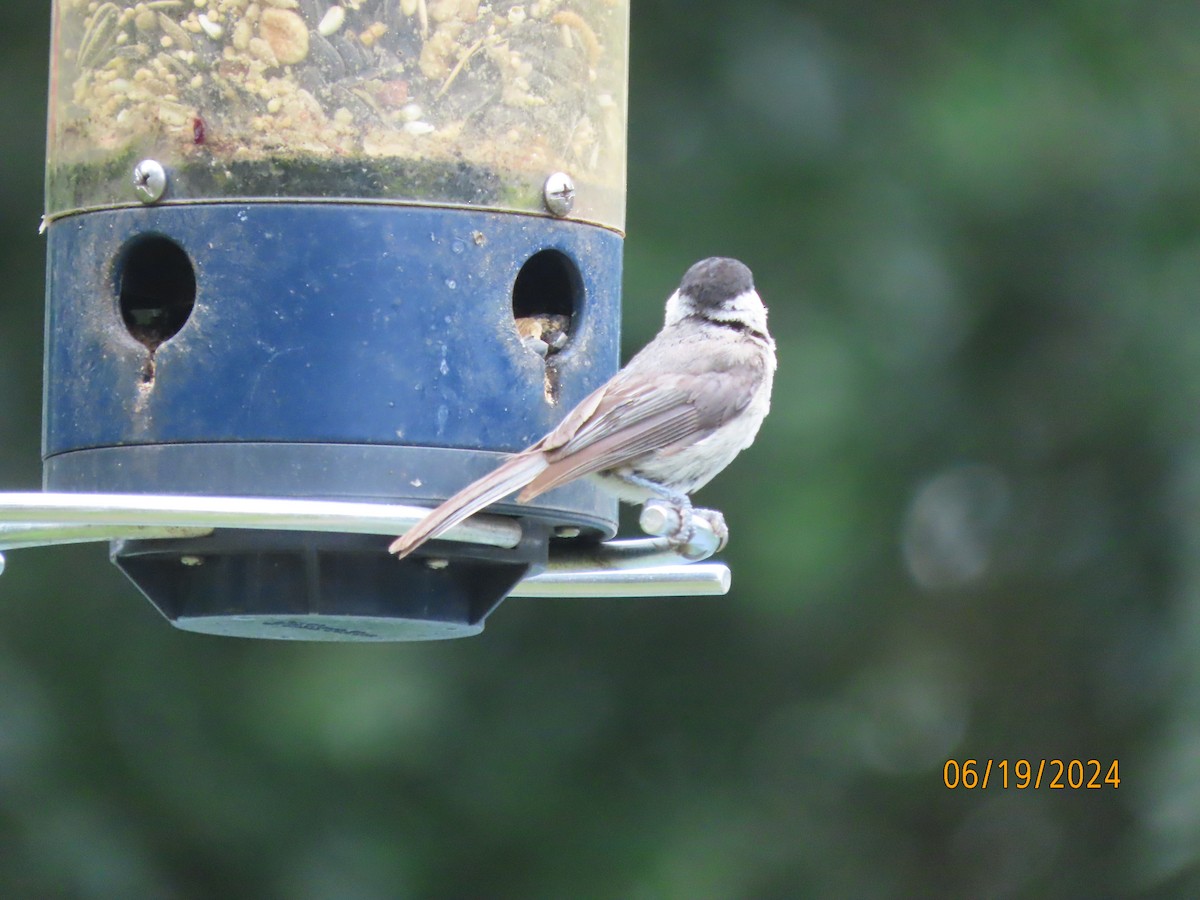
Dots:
pixel 665 424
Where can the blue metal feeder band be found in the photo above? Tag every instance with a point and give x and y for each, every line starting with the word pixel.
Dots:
pixel 333 351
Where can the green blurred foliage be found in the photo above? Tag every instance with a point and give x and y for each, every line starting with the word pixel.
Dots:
pixel 970 527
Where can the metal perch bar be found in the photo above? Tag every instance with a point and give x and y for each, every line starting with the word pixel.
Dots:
pixel 45 534
pixel 141 510
pixel 625 568
pixel 691 580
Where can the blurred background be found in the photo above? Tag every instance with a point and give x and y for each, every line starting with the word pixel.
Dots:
pixel 969 529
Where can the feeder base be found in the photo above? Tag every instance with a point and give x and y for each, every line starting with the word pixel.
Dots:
pixel 321 586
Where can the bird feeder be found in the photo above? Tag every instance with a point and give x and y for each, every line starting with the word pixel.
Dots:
pixel 326 254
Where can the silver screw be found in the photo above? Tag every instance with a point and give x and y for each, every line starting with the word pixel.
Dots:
pixel 192 560
pixel 436 563
pixel 559 193
pixel 567 531
pixel 149 180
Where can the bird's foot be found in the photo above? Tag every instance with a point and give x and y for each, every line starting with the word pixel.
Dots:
pixel 716 521
pixel 695 534
pixel 674 521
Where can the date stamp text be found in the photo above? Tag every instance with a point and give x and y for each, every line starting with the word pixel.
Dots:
pixel 1031 774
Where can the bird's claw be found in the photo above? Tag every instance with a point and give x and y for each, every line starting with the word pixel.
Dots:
pixel 716 521
pixel 694 534
pixel 661 518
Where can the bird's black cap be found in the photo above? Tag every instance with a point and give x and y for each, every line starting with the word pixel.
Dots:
pixel 715 280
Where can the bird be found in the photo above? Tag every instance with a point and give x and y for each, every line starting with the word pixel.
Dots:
pixel 664 425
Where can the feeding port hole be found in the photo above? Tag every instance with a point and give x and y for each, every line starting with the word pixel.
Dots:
pixel 156 289
pixel 545 300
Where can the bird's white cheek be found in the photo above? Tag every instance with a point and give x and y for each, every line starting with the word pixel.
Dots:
pixel 749 307
pixel 676 310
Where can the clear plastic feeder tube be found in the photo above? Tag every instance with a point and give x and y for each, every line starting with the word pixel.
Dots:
pixel 446 102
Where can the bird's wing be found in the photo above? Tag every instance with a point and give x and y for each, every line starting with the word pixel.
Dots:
pixel 638 412
pixel 610 452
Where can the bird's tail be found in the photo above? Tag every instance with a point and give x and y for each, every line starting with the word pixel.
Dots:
pixel 511 476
